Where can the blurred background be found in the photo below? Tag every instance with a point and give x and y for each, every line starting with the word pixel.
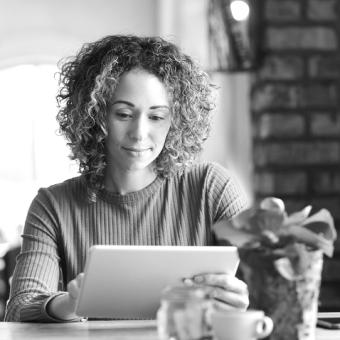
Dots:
pixel 277 120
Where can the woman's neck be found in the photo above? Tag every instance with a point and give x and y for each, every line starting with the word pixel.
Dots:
pixel 124 182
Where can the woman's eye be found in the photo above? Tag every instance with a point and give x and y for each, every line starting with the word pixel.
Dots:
pixel 123 114
pixel 156 117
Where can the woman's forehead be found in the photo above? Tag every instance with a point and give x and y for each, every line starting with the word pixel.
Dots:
pixel 140 84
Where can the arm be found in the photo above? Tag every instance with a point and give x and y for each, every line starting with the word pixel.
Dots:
pixel 36 275
pixel 226 199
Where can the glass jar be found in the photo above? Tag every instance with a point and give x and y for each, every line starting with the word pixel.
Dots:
pixel 184 313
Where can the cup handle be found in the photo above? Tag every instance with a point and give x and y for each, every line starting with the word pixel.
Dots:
pixel 264 327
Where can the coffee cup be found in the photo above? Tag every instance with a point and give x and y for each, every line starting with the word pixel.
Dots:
pixel 241 325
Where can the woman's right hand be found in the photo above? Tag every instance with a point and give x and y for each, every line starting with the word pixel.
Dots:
pixel 73 289
pixel 63 306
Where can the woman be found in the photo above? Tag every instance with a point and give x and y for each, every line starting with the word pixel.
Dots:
pixel 135 112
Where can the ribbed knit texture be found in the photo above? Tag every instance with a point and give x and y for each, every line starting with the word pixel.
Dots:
pixel 62 224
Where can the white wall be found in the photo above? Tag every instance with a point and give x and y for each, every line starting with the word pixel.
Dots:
pixel 230 139
pixel 46 30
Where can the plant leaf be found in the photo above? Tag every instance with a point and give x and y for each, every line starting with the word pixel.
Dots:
pixel 322 223
pixel 310 238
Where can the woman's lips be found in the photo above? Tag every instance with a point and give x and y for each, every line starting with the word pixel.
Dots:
pixel 136 151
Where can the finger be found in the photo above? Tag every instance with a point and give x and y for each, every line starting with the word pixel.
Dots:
pixel 224 281
pixel 214 279
pixel 221 306
pixel 230 299
pixel 73 289
pixel 79 279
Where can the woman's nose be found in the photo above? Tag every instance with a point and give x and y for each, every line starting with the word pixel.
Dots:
pixel 139 129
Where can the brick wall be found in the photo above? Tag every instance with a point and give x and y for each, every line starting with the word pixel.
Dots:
pixel 296 114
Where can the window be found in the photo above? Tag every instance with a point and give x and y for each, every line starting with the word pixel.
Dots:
pixel 32 153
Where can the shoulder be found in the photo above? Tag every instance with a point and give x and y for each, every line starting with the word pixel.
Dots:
pixel 67 184
pixel 219 181
pixel 207 171
pixel 67 190
pixel 54 202
pixel 204 176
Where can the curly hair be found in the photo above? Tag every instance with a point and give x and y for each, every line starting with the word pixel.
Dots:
pixel 88 81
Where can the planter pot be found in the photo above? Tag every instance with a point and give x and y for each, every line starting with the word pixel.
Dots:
pixel 292 304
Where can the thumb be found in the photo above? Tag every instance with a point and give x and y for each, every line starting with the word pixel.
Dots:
pixel 73 289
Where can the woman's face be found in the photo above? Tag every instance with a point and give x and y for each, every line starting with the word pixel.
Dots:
pixel 138 121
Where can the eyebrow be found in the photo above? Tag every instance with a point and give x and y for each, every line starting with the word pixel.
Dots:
pixel 123 102
pixel 132 105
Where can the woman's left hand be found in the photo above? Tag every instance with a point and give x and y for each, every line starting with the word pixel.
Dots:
pixel 228 291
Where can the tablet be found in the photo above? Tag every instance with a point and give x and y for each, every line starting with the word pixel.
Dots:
pixel 125 282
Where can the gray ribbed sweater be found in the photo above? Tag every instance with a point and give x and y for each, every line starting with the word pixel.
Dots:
pixel 62 224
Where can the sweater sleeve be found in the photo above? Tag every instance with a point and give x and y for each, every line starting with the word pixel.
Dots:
pixel 226 195
pixel 36 275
